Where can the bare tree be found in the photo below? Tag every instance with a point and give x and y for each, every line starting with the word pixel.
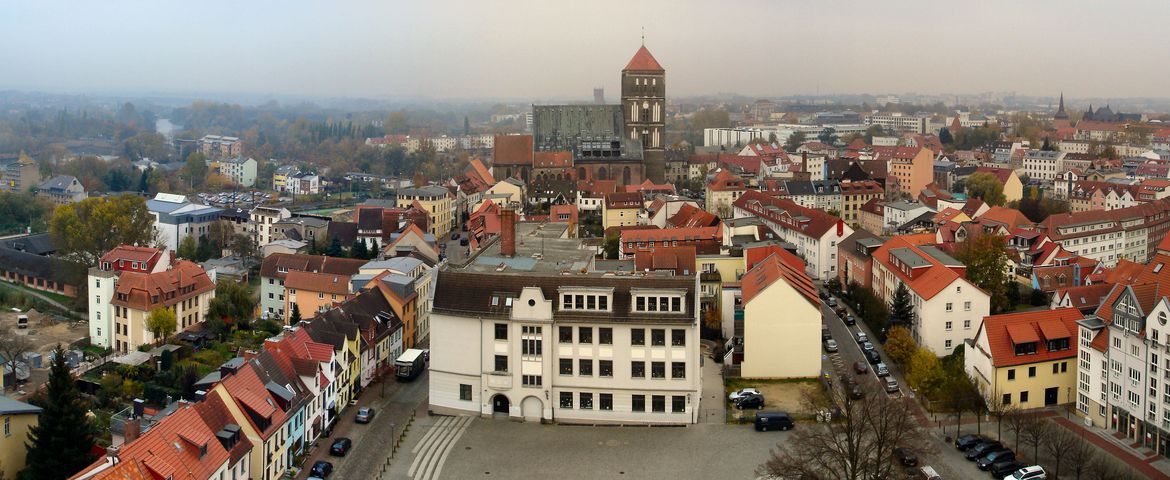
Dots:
pixel 13 346
pixel 1080 455
pixel 1108 467
pixel 1034 431
pixel 857 445
pixel 1015 419
pixel 996 409
pixel 1058 445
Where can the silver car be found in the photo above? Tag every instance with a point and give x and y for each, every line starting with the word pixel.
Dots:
pixel 830 345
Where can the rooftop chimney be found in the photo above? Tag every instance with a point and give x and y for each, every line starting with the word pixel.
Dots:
pixel 508 232
pixel 139 407
pixel 132 430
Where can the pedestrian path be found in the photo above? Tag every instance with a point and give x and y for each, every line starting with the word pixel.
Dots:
pixel 1104 441
pixel 432 449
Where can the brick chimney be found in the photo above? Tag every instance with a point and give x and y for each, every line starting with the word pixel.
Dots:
pixel 132 430
pixel 508 232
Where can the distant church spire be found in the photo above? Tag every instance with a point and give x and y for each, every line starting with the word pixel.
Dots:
pixel 1060 113
pixel 1061 109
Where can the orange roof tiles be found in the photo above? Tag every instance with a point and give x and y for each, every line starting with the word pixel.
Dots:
pixel 643 61
pixel 779 265
pixel 145 291
pixel 623 200
pixel 318 282
pixel 788 214
pixel 559 159
pixel 725 181
pixel 512 150
pixel 689 216
pixel 930 281
pixel 1003 174
pixel 1003 332
pixel 1008 217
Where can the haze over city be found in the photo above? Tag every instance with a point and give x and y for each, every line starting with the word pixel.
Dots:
pixel 518 49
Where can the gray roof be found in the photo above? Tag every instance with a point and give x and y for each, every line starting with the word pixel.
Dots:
pixel 235 160
pixel 904 205
pixel 941 256
pixel 9 406
pixel 908 257
pixel 823 187
pixel 59 182
pixel 427 191
pixel 401 264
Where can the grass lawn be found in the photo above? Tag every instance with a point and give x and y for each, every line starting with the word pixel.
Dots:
pixel 62 299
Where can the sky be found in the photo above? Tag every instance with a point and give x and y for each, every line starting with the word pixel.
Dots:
pixel 562 49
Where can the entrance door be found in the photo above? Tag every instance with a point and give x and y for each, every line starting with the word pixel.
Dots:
pixel 500 404
pixel 1050 395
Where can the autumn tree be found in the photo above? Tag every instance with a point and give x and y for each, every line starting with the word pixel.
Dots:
pixel 987 187
pixel 924 372
pixel 611 246
pixel 900 345
pixel 794 141
pixel 13 346
pixel 232 305
pixel 162 323
pixel 986 259
pixel 86 230
pixel 195 169
pixel 59 444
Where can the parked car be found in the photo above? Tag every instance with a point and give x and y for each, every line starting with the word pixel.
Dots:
pixel 824 295
pixel 773 421
pixel 867 346
pixel 1035 472
pixel 733 396
pixel 850 320
pixel 364 415
pixel 982 449
pixel 872 357
pixel 853 389
pixel 967 441
pixel 321 469
pixel 1005 468
pixel 753 400
pixel 825 334
pixel 986 461
pixel 861 368
pixel 462 242
pixel 891 385
pixel 832 302
pixel 905 457
pixel 340 447
pixel 881 370
pixel 861 337
pixel 454 235
pixel 840 311
pixel 830 345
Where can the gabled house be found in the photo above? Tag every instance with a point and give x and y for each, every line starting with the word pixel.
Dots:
pixel 780 346
pixel 1026 359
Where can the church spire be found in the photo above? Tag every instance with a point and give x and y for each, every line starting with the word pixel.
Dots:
pixel 1061 109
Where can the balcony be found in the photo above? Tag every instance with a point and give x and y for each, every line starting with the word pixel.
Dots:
pixel 710 277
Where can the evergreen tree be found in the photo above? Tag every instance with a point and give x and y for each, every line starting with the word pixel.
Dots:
pixel 359 250
pixel 58 446
pixel 466 126
pixel 335 248
pixel 294 317
pixel 901 310
pixel 374 249
pixel 945 137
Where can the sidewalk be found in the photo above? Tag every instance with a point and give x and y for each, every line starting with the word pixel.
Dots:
pixel 1151 466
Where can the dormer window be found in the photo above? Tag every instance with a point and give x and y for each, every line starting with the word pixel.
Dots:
pixel 1029 348
pixel 1057 344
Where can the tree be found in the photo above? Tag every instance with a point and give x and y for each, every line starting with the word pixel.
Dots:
pixel 794 141
pixel 1059 445
pixel 900 346
pixel 59 445
pixel 335 248
pixel 1034 431
pixel 374 249
pixel 856 445
pixel 945 137
pixel 86 230
pixel 828 136
pixel 1037 297
pixel 162 323
pixel 611 246
pixel 924 373
pixel 872 131
pixel 901 308
pixel 712 319
pixel 188 248
pixel 295 317
pixel 985 256
pixel 986 186
pixel 232 305
pixel 13 346
pixel 359 250
pixel 195 169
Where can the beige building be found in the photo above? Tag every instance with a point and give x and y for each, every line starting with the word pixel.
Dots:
pixel 18 418
pixel 621 209
pixel 434 200
pixel 780 346
pixel 185 289
pixel 1027 359
pixel 62 190
pixel 722 191
pixel 21 175
pixel 856 194
pixel 263 220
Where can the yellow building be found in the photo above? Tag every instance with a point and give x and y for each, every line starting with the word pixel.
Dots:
pixel 1013 188
pixel 261 416
pixel 436 201
pixel 856 194
pixel 1026 359
pixel 723 190
pixel 185 289
pixel 621 209
pixel 18 417
pixel 779 345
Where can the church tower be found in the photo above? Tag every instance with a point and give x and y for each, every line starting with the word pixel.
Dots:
pixel 644 108
pixel 1060 119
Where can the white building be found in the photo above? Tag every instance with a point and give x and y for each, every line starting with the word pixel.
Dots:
pixel 102 279
pixel 814 232
pixel 239 170
pixel 900 212
pixel 898 122
pixel 175 218
pixel 1042 164
pixel 262 219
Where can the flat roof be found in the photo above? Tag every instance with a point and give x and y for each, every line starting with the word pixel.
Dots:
pixel 539 248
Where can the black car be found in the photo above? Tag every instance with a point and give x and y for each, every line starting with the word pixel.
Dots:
pixel 850 320
pixel 455 236
pixel 872 357
pixel 823 295
pixel 853 389
pixel 967 441
pixel 825 334
pixel 751 400
pixel 321 469
pixel 906 457
pixel 340 447
pixel 985 462
pixel 1005 468
pixel 982 449
pixel 773 421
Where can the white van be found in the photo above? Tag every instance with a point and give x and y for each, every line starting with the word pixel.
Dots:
pixel 929 474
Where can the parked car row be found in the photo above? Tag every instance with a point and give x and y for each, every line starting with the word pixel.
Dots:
pixel 993 457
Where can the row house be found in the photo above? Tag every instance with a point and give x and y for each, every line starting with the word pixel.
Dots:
pixel 185 289
pixel 1111 235
pixel 1042 164
pixel 436 201
pixel 814 232
pixel 855 258
pixel 909 169
pixel 274 271
pixel 821 195
pixel 855 194
pixel 706 240
pixel 263 219
pixel 621 209
pixel 1026 360
pixel 947 307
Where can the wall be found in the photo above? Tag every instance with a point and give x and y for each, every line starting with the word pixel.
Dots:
pixel 781 345
pixel 12 448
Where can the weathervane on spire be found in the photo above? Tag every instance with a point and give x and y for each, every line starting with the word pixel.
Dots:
pixel 643 35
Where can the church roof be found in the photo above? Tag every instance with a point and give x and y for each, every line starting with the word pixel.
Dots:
pixel 643 61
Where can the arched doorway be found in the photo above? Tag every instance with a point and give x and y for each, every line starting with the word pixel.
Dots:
pixel 626 176
pixel 532 408
pixel 501 404
pixel 601 173
pixel 581 174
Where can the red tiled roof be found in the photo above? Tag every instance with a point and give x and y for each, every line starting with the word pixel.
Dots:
pixel 145 291
pixel 1003 332
pixel 787 214
pixel 481 170
pixel 779 265
pixel 725 181
pixel 643 61
pixel 623 200
pixel 679 259
pixel 318 282
pixel 552 159
pixel 1125 272
pixel 1086 296
pixel 689 216
pixel 131 253
pixel 648 186
pixel 246 389
pixel 1100 342
pixel 672 234
pixel 1008 217
pixel 512 150
pixel 926 283
pixel 1003 174
pixel 596 187
pixel 277 265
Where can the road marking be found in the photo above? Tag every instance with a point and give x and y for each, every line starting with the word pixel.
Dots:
pixel 436 445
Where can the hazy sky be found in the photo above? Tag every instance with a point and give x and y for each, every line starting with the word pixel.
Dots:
pixel 563 48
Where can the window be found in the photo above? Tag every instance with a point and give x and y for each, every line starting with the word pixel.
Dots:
pixel 1024 397
pixel 639 403
pixel 531 346
pixel 658 403
pixel 678 404
pixel 586 401
pixel 966 324
pixel 585 367
pixel 948 344
pixel 678 370
pixel 678 337
pixel 531 380
pixel 657 337
pixel 566 366
pixel 948 325
pixel 1007 399
pixel 637 336
pixel 950 307
pixel 640 304
pixel 967 306
pixel 603 302
pixel 585 335
pixel 1031 373
pixel 465 392
pixel 605 336
pixel 1011 374
pixel 605 368
pixel 566 399
pixel 501 363
pixel 1056 368
pixel 605 401
pixel 501 331
pixel 657 369
pixel 638 369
